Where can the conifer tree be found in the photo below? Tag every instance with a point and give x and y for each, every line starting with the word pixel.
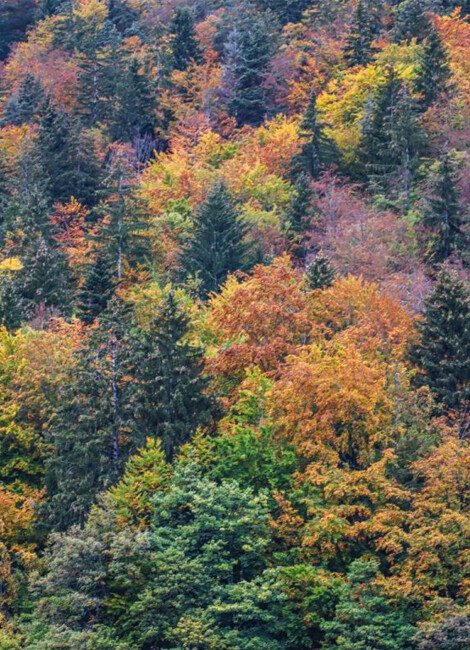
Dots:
pixel 358 50
pixel 217 247
pixel 67 157
pixel 183 43
pixel 298 215
pixel 434 72
pixel 91 437
pixel 320 273
pixel 411 20
pixel 442 216
pixel 317 150
pixel 443 353
pixel 392 141
pixel 24 106
pixel 248 104
pixel 170 387
pixel 96 291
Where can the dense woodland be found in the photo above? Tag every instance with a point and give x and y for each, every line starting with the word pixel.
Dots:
pixel 235 325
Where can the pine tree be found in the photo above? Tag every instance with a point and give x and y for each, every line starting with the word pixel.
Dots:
pixel 67 157
pixel 217 247
pixel 96 291
pixel 442 216
pixel 170 391
pixel 248 104
pixel 358 50
pixel 443 353
pixel 320 273
pixel 317 150
pixel 25 105
pixel 183 43
pixel 434 72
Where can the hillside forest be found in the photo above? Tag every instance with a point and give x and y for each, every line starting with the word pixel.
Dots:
pixel 234 325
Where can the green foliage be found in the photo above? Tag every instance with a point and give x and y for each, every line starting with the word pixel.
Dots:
pixel 320 273
pixel 170 387
pixel 25 105
pixel 442 216
pixel 443 352
pixel 434 72
pixel 364 619
pixel 217 246
pixel 358 50
pixel 183 44
pixel 96 290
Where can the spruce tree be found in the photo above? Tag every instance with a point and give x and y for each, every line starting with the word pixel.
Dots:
pixel 392 141
pixel 96 291
pixel 317 150
pixel 298 214
pixel 434 72
pixel 90 439
pixel 67 156
pixel 320 272
pixel 24 107
pixel 442 215
pixel 358 50
pixel 411 20
pixel 248 104
pixel 217 247
pixel 170 388
pixel 183 42
pixel 443 353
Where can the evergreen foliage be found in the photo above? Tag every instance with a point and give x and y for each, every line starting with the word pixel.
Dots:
pixel 218 245
pixel 443 352
pixel 320 273
pixel 184 46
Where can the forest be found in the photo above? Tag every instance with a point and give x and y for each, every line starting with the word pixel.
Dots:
pixel 234 325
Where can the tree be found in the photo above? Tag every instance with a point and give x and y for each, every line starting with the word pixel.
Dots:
pixel 183 42
pixel 218 246
pixel 364 619
pixel 442 218
pixel 248 104
pixel 298 215
pixel 443 352
pixel 25 105
pixel 320 273
pixel 96 290
pixel 67 157
pixel 433 72
pixel 170 386
pixel 392 140
pixel 450 633
pixel 317 150
pixel 358 50
pixel 91 437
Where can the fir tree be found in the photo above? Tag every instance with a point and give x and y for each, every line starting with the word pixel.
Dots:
pixel 67 157
pixel 96 291
pixel 217 247
pixel 317 150
pixel 90 439
pixel 248 103
pixel 442 216
pixel 24 106
pixel 443 353
pixel 411 20
pixel 320 273
pixel 298 215
pixel 183 43
pixel 391 142
pixel 170 390
pixel 434 72
pixel 358 50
